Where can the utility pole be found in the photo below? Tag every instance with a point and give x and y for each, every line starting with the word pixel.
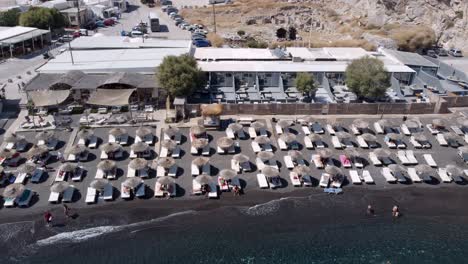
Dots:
pixel 71 53
pixel 214 18
pixel 78 13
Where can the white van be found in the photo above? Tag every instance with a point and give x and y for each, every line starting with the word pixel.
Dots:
pixel 456 53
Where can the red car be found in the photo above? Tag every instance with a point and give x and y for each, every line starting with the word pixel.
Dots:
pixel 109 22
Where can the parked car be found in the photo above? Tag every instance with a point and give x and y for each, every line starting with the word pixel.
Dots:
pixel 198 38
pixel 177 23
pixel 442 52
pixel 201 31
pixel 456 53
pixel 136 33
pixel 116 109
pixel 431 53
pixel 202 43
pixel 134 108
pixel 169 10
pixel 166 2
pixel 149 108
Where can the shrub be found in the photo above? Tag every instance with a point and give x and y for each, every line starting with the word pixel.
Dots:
pixel 414 38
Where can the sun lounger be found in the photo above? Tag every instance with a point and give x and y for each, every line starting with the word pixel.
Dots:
pixel 131 172
pixel 68 194
pixel 288 162
pixel 400 176
pixel 390 144
pixel 444 175
pixel 336 142
pixel 262 181
pixel 330 129
pixel 108 194
pixel 367 178
pixel 21 178
pixel 457 130
pixel 296 182
pixel 91 195
pixel 104 155
pixel 336 184
pixel 173 171
pixel 345 161
pixel 223 184
pixel 60 176
pixel 158 192
pixel 234 166
pixel 282 145
pixel 355 177
pixel 176 152
pixel 373 158
pixel 333 190
pixel 412 159
pixel 405 130
pixel 402 157
pixel 10 146
pixel 361 142
pixel 112 139
pixel 308 143
pixel 252 132
pixel 260 163
pixel 413 175
pixel 464 156
pixel 355 130
pixel 378 129
pixel 430 160
pixel 324 180
pixel 465 137
pixel 275 182
pixel 9 202
pixel 125 192
pixel 140 190
pixel 21 146
pixel 319 144
pixel 78 174
pixel 230 133
pixel 164 152
pixel 256 147
pixel 37 175
pixel 388 175
pixel 432 130
pixel 317 160
pixel 25 198
pixel 206 169
pixel 278 129
pixel 206 151
pixel 160 171
pixel 440 138
pixel 193 151
pixel 213 194
pixel 263 132
pixel 133 155
pixel 139 139
pixel 415 143
pixel 194 168
pixel 317 128
pixel 123 140
pixel 306 130
pixel 54 197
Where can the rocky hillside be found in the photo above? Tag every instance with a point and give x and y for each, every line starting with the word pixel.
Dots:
pixel 343 22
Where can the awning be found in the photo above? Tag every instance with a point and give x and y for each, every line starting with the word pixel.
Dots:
pixel 48 97
pixel 110 97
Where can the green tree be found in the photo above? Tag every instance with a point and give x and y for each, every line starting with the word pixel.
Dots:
pixel 43 18
pixel 241 33
pixel 180 75
pixel 281 33
pixel 305 83
pixel 292 33
pixel 367 78
pixel 253 43
pixel 10 18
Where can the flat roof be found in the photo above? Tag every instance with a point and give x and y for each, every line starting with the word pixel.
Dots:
pixel 235 54
pixel 14 31
pixel 408 58
pixel 118 42
pixel 110 60
pixel 340 54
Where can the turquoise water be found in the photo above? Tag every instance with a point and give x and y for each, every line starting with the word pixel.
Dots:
pixel 278 232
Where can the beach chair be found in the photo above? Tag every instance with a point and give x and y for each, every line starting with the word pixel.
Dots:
pixel 149 139
pixel 260 164
pixel 37 175
pixel 104 155
pixel 60 176
pixel 354 175
pixel 91 195
pixel 177 138
pixel 275 182
pixel 263 132
pixel 252 132
pixel 367 177
pixel 9 202
pixel 206 150
pixel 308 143
pixel 345 161
pixel 262 181
pixel 442 172
pixel 278 129
pixel 378 129
pixel 21 178
pixel 333 190
pixel 160 171
pixel 465 137
pixel 324 180
pixel 194 168
pixel 245 166
pixel 108 194
pixel 123 140
pixel 256 147
pixel 196 187
pixel 140 190
pixel 402 157
pixel 412 159
pixel 457 130
pixel 288 162
pixel 230 133
pixel 388 175
pixel 405 130
pixel 432 129
pixel 358 162
pixel 25 198
pixel 158 192
pixel 282 145
pixel 139 139
pixel 306 130
pixel 78 174
pixel 413 175
pixel 415 143
pixel 72 158
pixel 430 160
pixel 441 139
pixel 317 160
pixel 373 158
pixel 319 144
pixel 390 144
pixel 68 194
pixel 21 145
pixel 235 166
pixel 54 197
pixel 125 192
pixel 112 139
pixel 193 151
pixel 131 172
pixel 317 128
pixel 173 171
pixel 463 156
pixel 223 184
pixel 296 182
pixel 361 142
pixel 164 152
pixel 132 155
pixel 355 130
pixel 176 152
pixel 330 129
pixel 336 142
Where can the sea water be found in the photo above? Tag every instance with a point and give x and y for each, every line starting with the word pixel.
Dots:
pixel 280 231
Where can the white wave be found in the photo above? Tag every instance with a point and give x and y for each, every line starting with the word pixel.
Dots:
pixel 85 234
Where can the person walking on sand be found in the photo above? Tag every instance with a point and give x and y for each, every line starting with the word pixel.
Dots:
pixel 48 218
pixel 370 210
pixel 395 211
pixel 66 211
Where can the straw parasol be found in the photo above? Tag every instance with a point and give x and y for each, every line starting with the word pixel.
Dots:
pixel 424 169
pixel 14 190
pixel 211 109
pixel 463 121
pixel 336 123
pixel 168 144
pixel 262 140
pixel 138 164
pixel 396 168
pixel 203 179
pixel 420 137
pixel 369 137
pixel 110 147
pixel 257 125
pixel 385 123
pixel 235 127
pixel 382 153
pixel 139 147
pixel 106 165
pixel 324 153
pixel 77 149
pixel 343 135
pixel 450 136
pixel 302 170
pixel 454 170
pixel 7 154
pixel 225 142
pixel 264 155
pixel 200 161
pixel 68 167
pixel 59 187
pixel 360 123
pixel 333 170
pixel 132 182
pixel 270 171
pixel 117 131
pixel 36 151
pixel 85 133
pixel 352 153
pixel 463 149
pixel 412 124
pixel 165 180
pixel 227 174
pixel 27 168
pixel 165 162
pixel 198 130
pixel 45 135
pixel 394 136
pixel 295 154
pixel 438 123
pixel 288 137
pixel 99 184
pixel 315 137
pixel 284 123
pixel 199 143
pixel 171 131
pixel 241 158
pixel 143 131
pixel 13 138
pixel 309 119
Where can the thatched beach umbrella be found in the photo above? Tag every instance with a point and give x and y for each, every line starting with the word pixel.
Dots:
pixel 106 165
pixel 143 131
pixel 171 131
pixel 200 161
pixel 420 137
pixel 288 137
pixel 257 125
pixel 139 147
pixel 310 119
pixel 27 168
pixel 424 169
pixel 396 168
pixel 235 127
pixel 227 174
pixel 45 135
pixel 360 123
pixel 295 154
pixel 203 179
pixel 369 137
pixel 199 143
pixel 241 158
pixel 225 142
pixel 264 155
pixel 411 124
pixel 211 109
pixel 324 153
pixel 168 144
pixel 85 133
pixel 198 130
pixel 315 137
pixel 132 182
pixel 117 131
pixel 165 180
pixel 77 149
pixel 343 135
pixel 454 170
pixel 68 167
pixel 285 123
pixel 394 136
pixel 14 190
pixel 270 171
pixel 138 164
pixel 336 123
pixel 463 149
pixel 385 123
pixel 302 170
pixel 352 153
pixel 262 140
pixel 7 154
pixel 59 187
pixel 166 162
pixel 333 170
pixel 438 123
pixel 110 147
pixel 382 153
pixel 36 151
pixel 451 136
pixel 13 138
pixel 99 184
pixel 463 121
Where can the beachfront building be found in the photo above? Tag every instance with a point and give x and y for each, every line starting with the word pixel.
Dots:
pixel 18 41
